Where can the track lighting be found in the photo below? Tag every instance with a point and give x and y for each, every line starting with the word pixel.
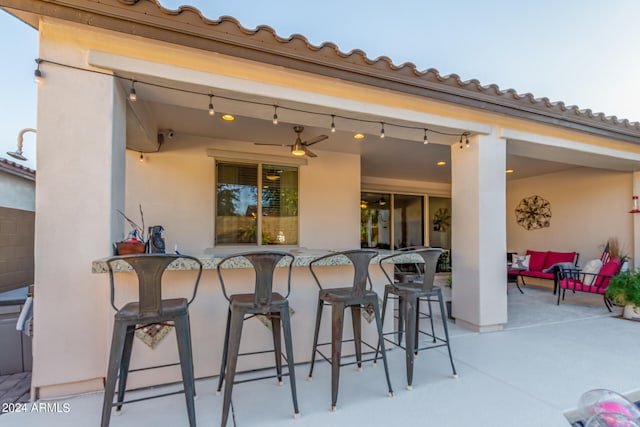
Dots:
pixel 275 114
pixel 37 74
pixel 461 142
pixel 381 130
pixel 466 138
pixel 425 141
pixel 132 93
pixel 212 111
pixel 141 157
pixel 333 123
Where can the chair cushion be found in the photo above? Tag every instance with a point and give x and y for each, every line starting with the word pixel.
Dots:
pixel 537 260
pixel 521 261
pixel 538 274
pixel 558 257
pixel 609 269
pixel 577 285
pixel 591 267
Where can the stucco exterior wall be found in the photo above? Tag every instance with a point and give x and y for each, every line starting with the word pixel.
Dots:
pixel 17 192
pixel 176 190
pixel 588 206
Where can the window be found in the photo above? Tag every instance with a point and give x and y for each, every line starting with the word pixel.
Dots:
pixel 379 211
pixel 243 213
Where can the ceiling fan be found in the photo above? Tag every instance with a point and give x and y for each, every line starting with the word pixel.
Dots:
pixel 300 147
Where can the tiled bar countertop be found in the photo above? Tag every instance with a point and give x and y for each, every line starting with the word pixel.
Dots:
pixel 303 257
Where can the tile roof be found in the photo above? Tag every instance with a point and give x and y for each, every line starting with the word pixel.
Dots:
pixel 188 26
pixel 16 169
pixel 299 46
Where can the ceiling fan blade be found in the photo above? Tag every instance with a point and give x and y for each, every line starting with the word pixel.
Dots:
pixel 309 152
pixel 315 140
pixel 276 145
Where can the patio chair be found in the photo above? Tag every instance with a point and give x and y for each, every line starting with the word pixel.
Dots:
pixel 574 280
pixel 263 301
pixel 409 295
pixel 150 309
pixel 356 297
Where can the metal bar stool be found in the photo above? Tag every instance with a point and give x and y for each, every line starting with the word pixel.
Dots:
pixel 355 297
pixel 148 310
pixel 263 301
pixel 409 295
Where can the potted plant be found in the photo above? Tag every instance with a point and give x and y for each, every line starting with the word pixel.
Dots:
pixel 624 289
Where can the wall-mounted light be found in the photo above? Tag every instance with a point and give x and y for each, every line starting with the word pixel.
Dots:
pixel 18 153
pixel 37 74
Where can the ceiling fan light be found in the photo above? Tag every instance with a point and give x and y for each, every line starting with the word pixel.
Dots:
pixel 297 149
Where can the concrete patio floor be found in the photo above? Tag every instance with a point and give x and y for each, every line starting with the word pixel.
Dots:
pixel 529 374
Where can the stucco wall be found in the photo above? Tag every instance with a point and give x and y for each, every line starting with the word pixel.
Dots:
pixel 176 189
pixel 17 192
pixel 588 206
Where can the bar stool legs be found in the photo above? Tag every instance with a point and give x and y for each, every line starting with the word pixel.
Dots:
pixel 409 318
pixel 337 326
pixel 231 352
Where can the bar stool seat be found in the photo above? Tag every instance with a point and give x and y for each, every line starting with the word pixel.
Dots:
pixel 356 297
pixel 148 310
pixel 410 295
pixel 263 301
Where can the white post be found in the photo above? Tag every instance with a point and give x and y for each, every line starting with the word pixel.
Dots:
pixel 479 233
pixel 636 223
pixel 79 186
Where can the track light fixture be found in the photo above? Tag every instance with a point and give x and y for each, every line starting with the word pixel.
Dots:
pixel 381 130
pixel 212 111
pixel 275 114
pixel 132 93
pixel 466 138
pixel 141 157
pixel 425 141
pixel 333 123
pixel 461 142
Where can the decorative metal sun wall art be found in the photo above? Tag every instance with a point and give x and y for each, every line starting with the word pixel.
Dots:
pixel 533 213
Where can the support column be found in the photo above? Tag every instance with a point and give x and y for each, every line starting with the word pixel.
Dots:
pixel 79 186
pixel 636 224
pixel 479 233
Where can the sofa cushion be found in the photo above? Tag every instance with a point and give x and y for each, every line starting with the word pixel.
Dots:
pixel 609 269
pixel 591 267
pixel 536 263
pixel 577 285
pixel 521 261
pixel 558 257
pixel 538 274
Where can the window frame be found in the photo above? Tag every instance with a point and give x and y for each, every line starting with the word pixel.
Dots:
pixel 259 162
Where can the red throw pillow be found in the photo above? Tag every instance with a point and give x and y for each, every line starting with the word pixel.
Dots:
pixel 536 263
pixel 556 257
pixel 609 269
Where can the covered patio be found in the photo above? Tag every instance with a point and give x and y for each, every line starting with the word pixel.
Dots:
pixel 133 96
pixel 530 374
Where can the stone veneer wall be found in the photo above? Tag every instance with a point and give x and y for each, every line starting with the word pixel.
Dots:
pixel 16 248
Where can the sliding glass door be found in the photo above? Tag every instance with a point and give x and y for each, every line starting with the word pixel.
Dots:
pixel 391 221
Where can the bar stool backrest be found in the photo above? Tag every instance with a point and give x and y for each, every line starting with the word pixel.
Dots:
pixel 360 258
pixel 149 268
pixel 430 257
pixel 264 264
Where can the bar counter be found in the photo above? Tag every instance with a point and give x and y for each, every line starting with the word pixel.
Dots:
pixel 209 311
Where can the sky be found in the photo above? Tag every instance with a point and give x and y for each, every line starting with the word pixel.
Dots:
pixel 580 52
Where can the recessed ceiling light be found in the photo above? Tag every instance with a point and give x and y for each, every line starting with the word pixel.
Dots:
pixel 441 163
pixel 228 117
pixel 509 171
pixel 358 136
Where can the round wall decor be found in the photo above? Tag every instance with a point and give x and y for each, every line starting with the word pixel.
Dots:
pixel 533 213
